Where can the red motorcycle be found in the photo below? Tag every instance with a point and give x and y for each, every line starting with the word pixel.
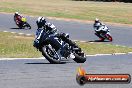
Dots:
pixel 21 22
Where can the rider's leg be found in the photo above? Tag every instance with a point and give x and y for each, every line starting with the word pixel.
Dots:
pixel 98 34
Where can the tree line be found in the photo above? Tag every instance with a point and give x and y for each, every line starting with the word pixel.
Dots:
pixel 107 0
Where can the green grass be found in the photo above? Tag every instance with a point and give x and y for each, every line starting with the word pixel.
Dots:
pixel 100 48
pixel 84 10
pixel 13 45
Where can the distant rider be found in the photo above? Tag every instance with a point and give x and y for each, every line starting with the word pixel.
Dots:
pixel 17 18
pixel 99 28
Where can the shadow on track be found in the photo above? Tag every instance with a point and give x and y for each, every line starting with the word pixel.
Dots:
pixel 14 28
pixel 98 41
pixel 20 28
pixel 62 62
pixel 45 63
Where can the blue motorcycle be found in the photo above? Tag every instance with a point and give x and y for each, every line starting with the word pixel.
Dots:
pixel 55 49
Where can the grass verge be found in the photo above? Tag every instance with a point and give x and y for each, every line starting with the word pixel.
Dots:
pixel 84 10
pixel 100 48
pixel 12 45
pixel 18 46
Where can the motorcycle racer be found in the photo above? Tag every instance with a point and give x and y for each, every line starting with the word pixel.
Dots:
pixel 18 18
pixel 43 26
pixel 52 33
pixel 55 46
pixel 99 28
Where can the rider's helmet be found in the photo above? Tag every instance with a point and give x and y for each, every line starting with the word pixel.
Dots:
pixel 51 28
pixel 96 20
pixel 16 13
pixel 41 22
pixel 97 23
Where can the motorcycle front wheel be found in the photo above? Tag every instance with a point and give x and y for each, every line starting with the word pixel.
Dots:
pixel 50 54
pixel 27 26
pixel 109 37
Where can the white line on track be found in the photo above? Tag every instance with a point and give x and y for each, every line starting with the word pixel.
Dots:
pixel 129 52
pixel 86 55
pixel 109 54
pixel 13 32
pixel 28 34
pixel 5 31
pixel 119 53
pixel 20 58
pixel 21 33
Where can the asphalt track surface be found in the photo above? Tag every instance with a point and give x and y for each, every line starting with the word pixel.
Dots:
pixel 78 31
pixel 41 74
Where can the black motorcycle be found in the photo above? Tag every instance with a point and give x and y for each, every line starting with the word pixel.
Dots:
pixel 56 49
pixel 23 24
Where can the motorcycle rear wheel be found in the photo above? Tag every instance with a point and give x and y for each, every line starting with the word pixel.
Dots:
pixel 79 58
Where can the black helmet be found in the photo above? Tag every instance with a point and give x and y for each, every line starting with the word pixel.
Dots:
pixel 41 22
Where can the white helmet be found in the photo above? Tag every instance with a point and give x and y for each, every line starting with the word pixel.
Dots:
pixel 97 23
pixel 96 20
pixel 16 13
